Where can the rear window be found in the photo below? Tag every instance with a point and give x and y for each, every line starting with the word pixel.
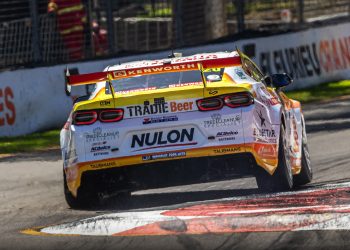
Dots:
pixel 158 81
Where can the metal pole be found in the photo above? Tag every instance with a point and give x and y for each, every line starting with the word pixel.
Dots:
pixel 110 27
pixel 33 5
pixel 89 42
pixel 240 14
pixel 178 23
pixel 301 11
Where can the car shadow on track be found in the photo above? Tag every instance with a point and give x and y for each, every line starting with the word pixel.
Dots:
pixel 159 200
pixel 179 199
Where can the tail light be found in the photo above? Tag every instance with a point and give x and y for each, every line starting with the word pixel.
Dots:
pixel 238 100
pixel 210 104
pixel 84 117
pixel 231 100
pixel 91 116
pixel 111 115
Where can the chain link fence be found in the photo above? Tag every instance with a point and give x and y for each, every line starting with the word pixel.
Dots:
pixel 44 32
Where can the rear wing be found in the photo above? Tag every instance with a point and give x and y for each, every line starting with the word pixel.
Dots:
pixel 156 67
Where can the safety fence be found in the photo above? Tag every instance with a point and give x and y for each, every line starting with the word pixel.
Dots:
pixel 44 32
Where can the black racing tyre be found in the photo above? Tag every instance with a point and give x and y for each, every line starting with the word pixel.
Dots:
pixel 83 200
pixel 305 175
pixel 282 178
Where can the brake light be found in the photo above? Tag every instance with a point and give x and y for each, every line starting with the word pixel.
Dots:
pixel 238 100
pixel 91 116
pixel 112 115
pixel 231 100
pixel 84 117
pixel 210 104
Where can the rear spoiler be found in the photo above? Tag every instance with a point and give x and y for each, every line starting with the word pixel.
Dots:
pixel 165 66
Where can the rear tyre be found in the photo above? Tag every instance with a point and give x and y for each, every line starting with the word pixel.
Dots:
pixel 305 175
pixel 84 199
pixel 282 178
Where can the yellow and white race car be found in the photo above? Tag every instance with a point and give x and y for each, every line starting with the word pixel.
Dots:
pixel 182 119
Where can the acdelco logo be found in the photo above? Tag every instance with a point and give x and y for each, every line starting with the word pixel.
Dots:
pixel 161 138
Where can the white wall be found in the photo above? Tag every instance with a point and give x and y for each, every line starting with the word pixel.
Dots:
pixel 34 99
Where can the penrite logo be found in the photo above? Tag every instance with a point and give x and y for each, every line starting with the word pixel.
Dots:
pixel 163 139
pixel 151 120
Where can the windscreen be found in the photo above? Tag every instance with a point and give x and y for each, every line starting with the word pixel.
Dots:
pixel 158 81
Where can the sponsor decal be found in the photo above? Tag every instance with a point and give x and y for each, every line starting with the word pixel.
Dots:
pixel 195 58
pixel 100 148
pixel 308 60
pixel 240 74
pixel 267 98
pixel 178 107
pixel 296 147
pixel 103 164
pixel 105 103
pixel 218 121
pixel 159 139
pixel 262 119
pixel 159 107
pixel 148 109
pixel 163 156
pixel 268 135
pixel 99 143
pixel 269 101
pixel 213 92
pixel 98 135
pixel 227 139
pixel 227 150
pixel 264 132
pixel 185 84
pixel 101 153
pixel 125 92
pixel 227 135
pixel 153 69
pixel 7 107
pixel 267 151
pixel 160 119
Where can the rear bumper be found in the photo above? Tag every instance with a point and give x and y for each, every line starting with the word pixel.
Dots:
pixel 147 170
pixel 170 173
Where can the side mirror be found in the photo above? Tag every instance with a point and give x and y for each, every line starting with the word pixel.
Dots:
pixel 278 80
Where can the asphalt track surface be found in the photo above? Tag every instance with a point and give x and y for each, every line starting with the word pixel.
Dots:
pixel 216 215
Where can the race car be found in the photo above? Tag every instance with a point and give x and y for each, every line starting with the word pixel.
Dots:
pixel 156 123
